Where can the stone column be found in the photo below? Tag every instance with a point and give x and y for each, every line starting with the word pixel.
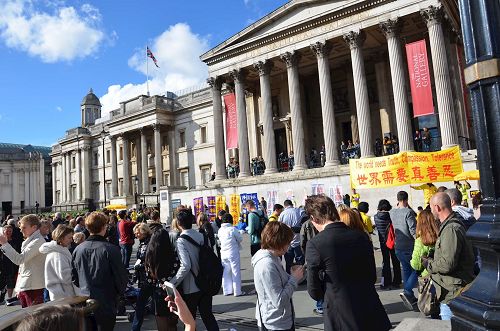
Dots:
pixel 390 28
pixel 384 103
pixel 78 175
pixel 321 50
pixel 126 167
pixel 158 157
pixel 355 41
pixel 220 148
pixel 63 177
pixel 54 181
pixel 144 162
pixel 68 178
pixel 432 16
pixel 138 152
pixel 352 106
pixel 264 69
pixel 114 168
pixel 171 158
pixel 86 185
pixel 291 60
pixel 27 188
pixel 41 180
pixel 241 110
pixel 16 203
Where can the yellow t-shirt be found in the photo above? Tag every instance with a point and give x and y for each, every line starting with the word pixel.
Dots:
pixel 355 200
pixel 367 222
pixel 273 218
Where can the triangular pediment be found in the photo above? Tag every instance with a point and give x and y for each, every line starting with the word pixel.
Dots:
pixel 286 17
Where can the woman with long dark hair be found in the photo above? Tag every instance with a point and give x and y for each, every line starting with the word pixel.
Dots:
pixel 161 265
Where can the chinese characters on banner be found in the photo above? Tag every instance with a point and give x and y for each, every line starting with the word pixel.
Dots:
pixel 198 206
pixel 405 168
pixel 220 203
pixel 234 207
pixel 420 81
pixel 231 121
pixel 211 208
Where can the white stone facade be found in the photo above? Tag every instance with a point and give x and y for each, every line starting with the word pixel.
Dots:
pixel 25 179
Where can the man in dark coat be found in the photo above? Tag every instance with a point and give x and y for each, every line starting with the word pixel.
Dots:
pixel 341 270
pixel 99 272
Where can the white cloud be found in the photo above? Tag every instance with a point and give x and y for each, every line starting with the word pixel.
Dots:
pixel 64 34
pixel 177 51
pixel 59 109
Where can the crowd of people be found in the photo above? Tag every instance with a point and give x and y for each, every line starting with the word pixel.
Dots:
pixel 327 246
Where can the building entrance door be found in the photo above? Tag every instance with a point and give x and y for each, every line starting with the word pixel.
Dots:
pixel 346 132
pixel 280 141
pixel 6 208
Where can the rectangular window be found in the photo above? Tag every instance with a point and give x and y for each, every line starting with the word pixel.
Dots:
pixel 96 159
pixel 73 162
pixel 203 134
pixel 184 175
pixel 182 138
pixel 6 179
pixel 120 187
pixel 205 174
pixel 166 179
pixel 121 153
pixel 108 156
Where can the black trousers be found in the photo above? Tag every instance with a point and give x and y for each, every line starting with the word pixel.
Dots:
pixel 387 256
pixel 202 303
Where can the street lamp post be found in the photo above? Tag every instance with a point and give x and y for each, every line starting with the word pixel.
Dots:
pixel 103 135
pixel 478 308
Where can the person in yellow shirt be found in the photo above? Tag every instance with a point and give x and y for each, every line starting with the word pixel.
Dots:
pixel 463 188
pixel 429 190
pixel 133 215
pixel 277 209
pixel 367 221
pixel 355 197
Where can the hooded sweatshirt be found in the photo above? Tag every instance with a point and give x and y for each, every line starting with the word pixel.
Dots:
pixel 274 291
pixel 58 271
pixel 465 215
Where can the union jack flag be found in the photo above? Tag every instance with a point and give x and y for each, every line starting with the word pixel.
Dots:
pixel 150 54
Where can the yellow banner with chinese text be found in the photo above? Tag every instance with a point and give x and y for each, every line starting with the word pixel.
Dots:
pixel 234 207
pixel 405 168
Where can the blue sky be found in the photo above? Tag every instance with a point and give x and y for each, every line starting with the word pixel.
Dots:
pixel 53 51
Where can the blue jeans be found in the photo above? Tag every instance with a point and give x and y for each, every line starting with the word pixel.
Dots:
pixel 319 305
pixel 445 312
pixel 126 250
pixel 293 252
pixel 145 292
pixel 410 276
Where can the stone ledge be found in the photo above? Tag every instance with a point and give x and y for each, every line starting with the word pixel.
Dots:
pixel 423 324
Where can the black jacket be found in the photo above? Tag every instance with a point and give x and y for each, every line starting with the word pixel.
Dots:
pixel 208 230
pixel 341 270
pixel 99 272
pixel 382 220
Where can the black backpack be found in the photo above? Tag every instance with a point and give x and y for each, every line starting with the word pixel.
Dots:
pixel 209 278
pixel 263 220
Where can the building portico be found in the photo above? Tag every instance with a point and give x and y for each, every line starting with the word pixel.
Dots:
pixel 332 71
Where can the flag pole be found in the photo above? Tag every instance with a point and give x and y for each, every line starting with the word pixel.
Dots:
pixel 147 71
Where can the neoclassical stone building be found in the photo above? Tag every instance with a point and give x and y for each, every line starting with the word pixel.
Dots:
pixel 25 179
pixel 309 74
pixel 321 72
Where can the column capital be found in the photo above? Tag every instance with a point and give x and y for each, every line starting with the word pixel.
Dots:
pixel 238 75
pixel 390 28
pixel 156 126
pixel 432 15
pixel 263 67
pixel 123 136
pixel 142 131
pixel 354 39
pixel 112 138
pixel 320 49
pixel 290 58
pixel 215 82
pixel 86 148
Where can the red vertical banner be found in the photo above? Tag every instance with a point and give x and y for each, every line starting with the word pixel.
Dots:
pixel 420 80
pixel 231 121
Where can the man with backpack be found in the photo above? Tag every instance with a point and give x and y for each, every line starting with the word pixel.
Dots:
pixel 292 217
pixel 197 270
pixel 256 223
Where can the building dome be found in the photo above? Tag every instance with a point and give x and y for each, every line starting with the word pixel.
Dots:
pixel 91 99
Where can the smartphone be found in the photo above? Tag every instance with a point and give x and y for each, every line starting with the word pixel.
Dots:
pixel 169 288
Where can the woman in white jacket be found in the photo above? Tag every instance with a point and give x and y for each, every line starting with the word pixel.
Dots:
pixel 230 243
pixel 58 264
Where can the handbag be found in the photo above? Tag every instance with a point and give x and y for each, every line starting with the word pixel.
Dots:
pixel 427 302
pixel 391 237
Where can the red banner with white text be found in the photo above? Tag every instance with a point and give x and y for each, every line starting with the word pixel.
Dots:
pixel 420 80
pixel 231 121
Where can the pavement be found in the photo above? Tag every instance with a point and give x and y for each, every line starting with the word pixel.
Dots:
pixel 238 313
